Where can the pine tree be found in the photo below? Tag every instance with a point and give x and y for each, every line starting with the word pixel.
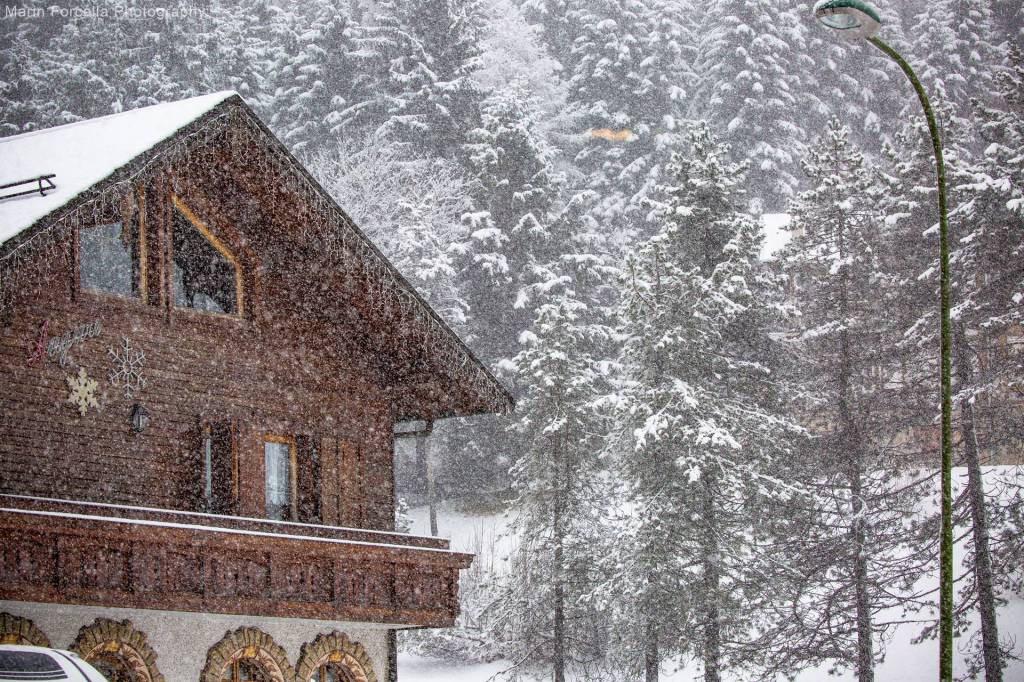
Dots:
pixel 508 234
pixel 545 619
pixel 415 85
pixel 990 288
pixel 853 551
pixel 514 192
pixel 622 76
pixel 958 62
pixel 411 208
pixel 312 77
pixel 842 77
pixel 700 420
pixel 58 69
pixel 513 55
pixel 748 83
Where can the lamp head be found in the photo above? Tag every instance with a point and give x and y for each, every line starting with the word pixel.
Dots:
pixel 852 18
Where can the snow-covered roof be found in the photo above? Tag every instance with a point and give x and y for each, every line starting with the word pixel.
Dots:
pixel 84 153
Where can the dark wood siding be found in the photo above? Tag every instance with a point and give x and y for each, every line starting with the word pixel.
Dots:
pixel 272 371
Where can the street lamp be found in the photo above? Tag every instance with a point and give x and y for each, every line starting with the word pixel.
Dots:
pixel 858 19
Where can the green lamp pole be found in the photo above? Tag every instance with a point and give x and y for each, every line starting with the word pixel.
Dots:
pixel 856 19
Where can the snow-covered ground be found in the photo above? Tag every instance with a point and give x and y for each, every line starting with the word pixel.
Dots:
pixel 904 662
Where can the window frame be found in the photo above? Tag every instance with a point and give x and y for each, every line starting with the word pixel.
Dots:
pixel 293 472
pixel 177 204
pixel 130 216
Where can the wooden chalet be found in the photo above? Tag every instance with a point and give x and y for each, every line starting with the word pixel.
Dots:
pixel 203 363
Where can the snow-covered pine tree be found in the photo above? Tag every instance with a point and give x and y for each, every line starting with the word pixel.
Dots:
pixel 514 190
pixel 411 208
pixel 312 75
pixel 701 429
pixel 989 286
pixel 747 82
pixel 552 16
pixel 848 551
pixel 513 55
pixel 508 234
pixel 56 70
pixel 958 61
pixel 623 79
pixel 842 78
pixel 541 613
pixel 60 69
pixel 415 85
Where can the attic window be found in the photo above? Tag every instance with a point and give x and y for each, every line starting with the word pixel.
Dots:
pixel 206 275
pixel 109 258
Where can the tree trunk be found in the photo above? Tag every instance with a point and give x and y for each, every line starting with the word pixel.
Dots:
pixel 712 581
pixel 850 440
pixel 865 648
pixel 979 521
pixel 559 605
pixel 559 647
pixel 652 662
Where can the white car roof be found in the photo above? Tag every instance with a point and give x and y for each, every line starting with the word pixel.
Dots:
pixel 20 663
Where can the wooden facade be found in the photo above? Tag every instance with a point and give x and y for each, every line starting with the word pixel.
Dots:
pixel 324 349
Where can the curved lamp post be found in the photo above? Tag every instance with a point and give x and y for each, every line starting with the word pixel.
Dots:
pixel 857 19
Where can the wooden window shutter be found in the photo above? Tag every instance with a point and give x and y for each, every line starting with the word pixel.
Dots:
pixel 193 483
pixel 330 479
pixel 223 440
pixel 309 479
pixel 351 489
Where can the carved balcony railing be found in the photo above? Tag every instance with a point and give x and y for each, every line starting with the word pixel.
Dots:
pixel 109 555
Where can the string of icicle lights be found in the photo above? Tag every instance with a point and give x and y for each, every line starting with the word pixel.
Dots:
pixel 325 228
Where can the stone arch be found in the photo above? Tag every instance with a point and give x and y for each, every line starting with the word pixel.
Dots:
pixel 117 643
pixel 336 648
pixel 18 630
pixel 250 645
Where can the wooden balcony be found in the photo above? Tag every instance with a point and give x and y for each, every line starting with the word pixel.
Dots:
pixel 110 555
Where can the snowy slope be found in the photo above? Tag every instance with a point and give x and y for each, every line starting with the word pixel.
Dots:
pixel 904 661
pixel 83 153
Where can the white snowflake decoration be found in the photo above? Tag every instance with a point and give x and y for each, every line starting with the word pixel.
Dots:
pixel 128 368
pixel 83 391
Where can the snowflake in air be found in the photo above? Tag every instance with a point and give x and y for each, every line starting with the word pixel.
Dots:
pixel 127 371
pixel 83 391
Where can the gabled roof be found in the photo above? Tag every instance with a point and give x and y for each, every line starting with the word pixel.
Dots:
pixel 92 159
pixel 84 153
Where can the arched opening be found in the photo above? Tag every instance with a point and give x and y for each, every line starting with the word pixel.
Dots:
pixel 333 657
pixel 117 650
pixel 18 630
pixel 247 655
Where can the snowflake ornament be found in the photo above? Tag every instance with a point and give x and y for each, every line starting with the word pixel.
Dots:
pixel 127 371
pixel 83 391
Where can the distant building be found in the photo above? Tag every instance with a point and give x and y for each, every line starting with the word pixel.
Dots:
pixel 203 361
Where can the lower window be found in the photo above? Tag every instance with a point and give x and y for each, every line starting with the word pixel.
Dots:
pixel 279 463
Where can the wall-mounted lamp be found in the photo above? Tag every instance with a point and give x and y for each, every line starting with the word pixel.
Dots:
pixel 140 418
